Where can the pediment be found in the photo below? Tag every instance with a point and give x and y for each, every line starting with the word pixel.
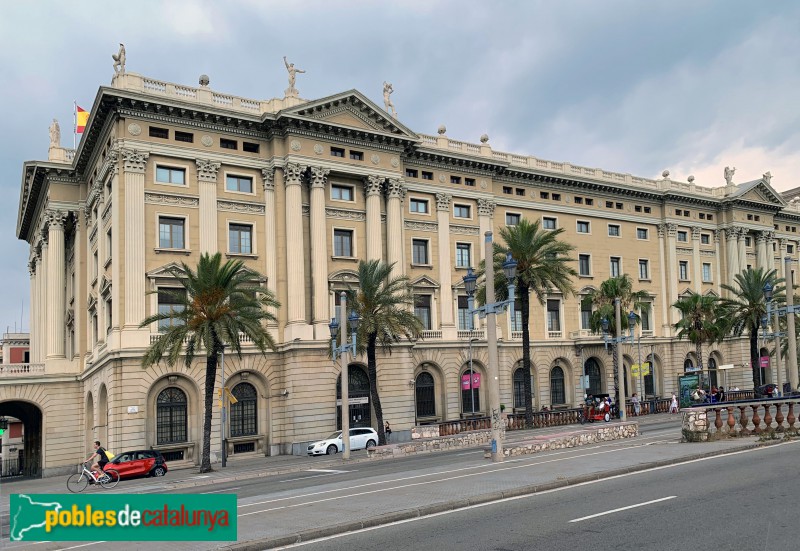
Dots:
pixel 711 293
pixel 344 276
pixel 758 191
pixel 163 271
pixel 425 281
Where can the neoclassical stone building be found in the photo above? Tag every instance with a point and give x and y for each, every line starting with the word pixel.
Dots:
pixel 301 190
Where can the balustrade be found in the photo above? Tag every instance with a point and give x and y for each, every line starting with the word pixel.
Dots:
pixel 727 419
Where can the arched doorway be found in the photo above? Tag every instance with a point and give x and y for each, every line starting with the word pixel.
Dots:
pixel 23 454
pixel 763 365
pixel 712 371
pixel 102 416
pixel 592 368
pixel 357 397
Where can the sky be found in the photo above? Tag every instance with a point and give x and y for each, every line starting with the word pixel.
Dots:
pixel 627 86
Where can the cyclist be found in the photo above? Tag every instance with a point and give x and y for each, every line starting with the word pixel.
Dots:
pixel 99 458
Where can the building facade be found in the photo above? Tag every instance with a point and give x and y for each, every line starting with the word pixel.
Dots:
pixel 301 190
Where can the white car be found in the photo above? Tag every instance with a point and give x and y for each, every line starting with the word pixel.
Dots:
pixel 360 439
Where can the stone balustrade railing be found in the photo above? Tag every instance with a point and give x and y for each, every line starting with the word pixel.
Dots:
pixel 244 339
pixel 17 370
pixel 744 418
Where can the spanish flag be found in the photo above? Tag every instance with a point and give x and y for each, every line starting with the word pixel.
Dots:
pixel 81 118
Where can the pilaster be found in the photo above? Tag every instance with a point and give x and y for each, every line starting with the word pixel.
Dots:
pixel 696 263
pixel 395 191
pixel 134 166
pixel 443 201
pixel 717 263
pixel 271 253
pixel 207 191
pixel 56 220
pixel 743 234
pixel 485 215
pixel 373 186
pixel 319 252
pixel 296 325
pixel 672 271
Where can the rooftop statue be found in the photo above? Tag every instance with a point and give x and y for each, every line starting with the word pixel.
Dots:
pixel 387 102
pixel 729 175
pixel 119 60
pixel 55 134
pixel 767 177
pixel 291 90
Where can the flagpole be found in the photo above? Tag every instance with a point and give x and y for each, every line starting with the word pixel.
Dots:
pixel 74 122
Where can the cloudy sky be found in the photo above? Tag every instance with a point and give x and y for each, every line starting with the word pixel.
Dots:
pixel 630 86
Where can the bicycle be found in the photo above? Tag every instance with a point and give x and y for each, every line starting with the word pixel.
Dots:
pixel 78 482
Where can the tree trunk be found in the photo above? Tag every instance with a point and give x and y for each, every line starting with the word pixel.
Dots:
pixel 755 361
pixel 699 351
pixel 524 302
pixel 211 377
pixel 372 371
pixel 616 371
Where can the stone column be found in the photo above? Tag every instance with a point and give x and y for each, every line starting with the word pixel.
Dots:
pixel 396 191
pixel 101 259
pixel 717 263
pixel 372 188
pixel 732 256
pixel 207 191
pixel 778 264
pixel 134 165
pixel 763 241
pixel 43 309
pixel 696 263
pixel 443 201
pixel 271 244
pixel 319 253
pixel 56 219
pixel 485 216
pixel 672 271
pixel 296 326
pixel 742 249
pixel 32 309
pixel 665 304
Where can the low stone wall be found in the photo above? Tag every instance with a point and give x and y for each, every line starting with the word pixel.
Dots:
pixel 572 439
pixel 742 418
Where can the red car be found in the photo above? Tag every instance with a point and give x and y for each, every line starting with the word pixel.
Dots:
pixel 139 463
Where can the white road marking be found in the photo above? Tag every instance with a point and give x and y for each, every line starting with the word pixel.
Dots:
pixel 81 545
pixel 218 491
pixel 325 471
pixel 623 508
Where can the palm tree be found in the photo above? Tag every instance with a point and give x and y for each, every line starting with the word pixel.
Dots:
pixel 542 266
pixel 746 307
pixel 602 302
pixel 703 320
pixel 219 303
pixel 383 304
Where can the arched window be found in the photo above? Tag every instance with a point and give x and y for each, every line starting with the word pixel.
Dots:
pixel 470 397
pixel 688 365
pixel 171 416
pixel 592 369
pixel 557 393
pixel 519 388
pixel 649 379
pixel 712 371
pixel 243 412
pixel 426 397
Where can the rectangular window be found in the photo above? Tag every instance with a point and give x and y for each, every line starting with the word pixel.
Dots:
pixel 609 204
pixel 678 212
pixel 250 147
pixel 419 251
pixel 584 265
pixel 419 206
pixel 341 193
pixel 589 202
pixel 156 132
pixel 427 175
pixel 641 233
pixel 637 208
pixel 170 302
pixel 520 192
pixel 463 255
pixel 586 315
pixel 710 217
pixel 343 243
pixel 109 242
pixel 187 137
pixel 464 321
pixel 455 179
pixel 170 232
pixel 583 226
pixel 705 239
pixel 706 273
pixel 644 269
pixel 619 206
pixel 556 197
pixel 507 190
pixel 746 241
pixel 554 315
pixel 169 175
pixel 243 184
pixel 790 249
pixel 578 200
pixel 616 265
pixel 411 173
pixel 461 211
pixel 422 309
pixel 645 316
pixel 613 230
pixel 544 195
pixel 647 210
pixel 469 182
pixel 682 236
pixel 240 239
pixel 356 155
pixel 337 152
pixel 683 270
pixel 516 321
pixel 96 265
pixel 512 219
pixel 108 316
pixel 94 328
pixel 549 223
pixel 702 216
pixel 687 213
pixel 225 143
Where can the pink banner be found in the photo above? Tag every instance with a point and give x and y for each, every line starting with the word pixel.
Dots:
pixel 764 361
pixel 476 381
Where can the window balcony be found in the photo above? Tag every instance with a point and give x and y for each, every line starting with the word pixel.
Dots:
pixel 479 334
pixel 431 335
pixel 21 370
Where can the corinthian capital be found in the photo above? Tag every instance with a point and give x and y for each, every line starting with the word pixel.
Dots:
pixel 268 174
pixel 56 219
pixel 134 160
pixel 731 233
pixel 373 184
pixel 486 207
pixel 207 170
pixel 696 233
pixel 294 173
pixel 319 176
pixel 395 188
pixel 443 201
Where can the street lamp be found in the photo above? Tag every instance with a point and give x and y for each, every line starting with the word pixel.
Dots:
pixel 470 284
pixel 490 311
pixel 617 341
pixel 343 351
pixel 222 397
pixel 789 311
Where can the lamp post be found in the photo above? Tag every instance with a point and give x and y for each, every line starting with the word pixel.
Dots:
pixel 222 413
pixel 490 311
pixel 343 351
pixel 617 341
pixel 776 333
pixel 470 284
pixel 789 311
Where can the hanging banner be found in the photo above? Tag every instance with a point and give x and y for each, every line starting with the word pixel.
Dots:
pixel 764 361
pixel 476 381
pixel 645 369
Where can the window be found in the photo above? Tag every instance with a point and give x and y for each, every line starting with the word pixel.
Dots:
pixel 507 190
pixel 592 369
pixel 609 204
pixel 647 210
pixel 554 315
pixel 641 233
pixel 470 397
pixel 240 239
pixel 706 273
pixel 544 195
pixel 464 319
pixel 519 388
pixel 243 184
pixel 425 395
pixel 557 394
pixel 790 249
pixel 586 314
pixel 616 263
pixel 169 175
pixel 427 175
pixel 584 265
pixel 455 179
pixel 108 316
pixel 710 217
pixel 683 270
pixel 549 223
pixel 644 269
pixel 702 216
pixel 419 206
pixel 94 328
pixel 171 416
pixel 343 243
pixel 156 132
pixel 705 239
pixel 583 226
pixel 341 193
pixel 170 232
pixel 228 144
pixel 356 155
pixel 419 251
pixel 187 137
pixel 644 315
pixel 96 265
pixel 461 211
pixel 512 219
pixel 422 309
pixel 678 212
pixel 687 213
pixel 613 230
pixel 411 173
pixel 250 147
pixel 170 302
pixel 520 192
pixel 637 208
pixel 746 241
pixel 337 152
pixel 516 320
pixel 469 182
pixel 682 236
pixel 578 200
pixel 463 255
pixel 556 197
pixel 243 412
pixel 589 202
pixel 109 242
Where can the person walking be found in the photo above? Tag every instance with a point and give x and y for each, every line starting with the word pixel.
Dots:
pixel 637 406
pixel 673 405
pixel 388 430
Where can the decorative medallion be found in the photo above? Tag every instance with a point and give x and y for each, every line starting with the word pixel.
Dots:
pixel 295 145
pixel 395 162
pixel 375 159
pixel 441 178
pixel 317 149
pixel 483 184
pixel 206 140
pixel 134 129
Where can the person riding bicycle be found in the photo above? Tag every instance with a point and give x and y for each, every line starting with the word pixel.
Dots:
pixel 99 458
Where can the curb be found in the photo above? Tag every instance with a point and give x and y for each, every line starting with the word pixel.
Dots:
pixel 417 512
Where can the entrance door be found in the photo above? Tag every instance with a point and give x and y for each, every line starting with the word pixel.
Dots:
pixel 358 398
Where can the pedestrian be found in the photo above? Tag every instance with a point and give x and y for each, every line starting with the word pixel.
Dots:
pixel 388 430
pixel 673 405
pixel 721 394
pixel 637 406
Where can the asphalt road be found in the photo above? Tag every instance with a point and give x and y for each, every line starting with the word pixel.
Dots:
pixel 745 501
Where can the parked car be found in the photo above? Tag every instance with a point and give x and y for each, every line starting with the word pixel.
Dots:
pixel 139 463
pixel 767 391
pixel 360 438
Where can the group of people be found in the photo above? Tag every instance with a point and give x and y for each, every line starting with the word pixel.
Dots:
pixel 597 404
pixel 716 395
